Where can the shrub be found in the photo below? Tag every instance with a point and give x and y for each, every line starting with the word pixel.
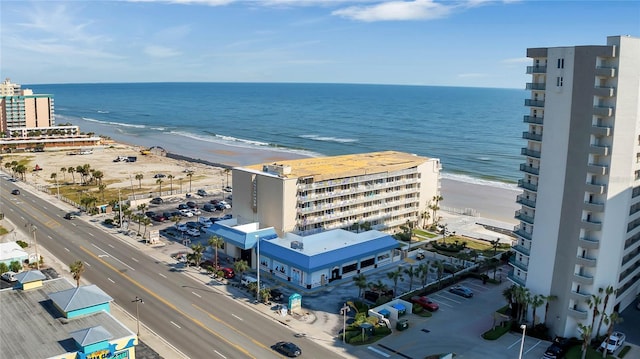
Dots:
pixel 381 330
pixel 624 351
pixel 22 244
pixel 496 332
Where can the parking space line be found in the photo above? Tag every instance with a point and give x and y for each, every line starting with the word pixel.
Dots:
pixel 379 352
pixel 535 345
pixel 515 343
pixel 447 298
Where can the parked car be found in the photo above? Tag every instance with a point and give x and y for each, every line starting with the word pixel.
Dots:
pixel 209 207
pixel 287 348
pixel 193 224
pixel 226 216
pixel 193 232
pixel 159 218
pixel 159 175
pixel 9 276
pixel 183 206
pixel 425 303
pixel 420 254
pixel 559 348
pixel 214 201
pixel 150 214
pixel 69 215
pixel 202 193
pixel 15 192
pixel 186 213
pixel 196 211
pixel 228 189
pixel 157 200
pixel 225 204
pixel 182 227
pixel 228 272
pixel 276 294
pixel 204 221
pixel 615 342
pixel 461 291
pixel 192 204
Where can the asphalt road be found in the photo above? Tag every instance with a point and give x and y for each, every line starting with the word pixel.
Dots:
pixel 195 318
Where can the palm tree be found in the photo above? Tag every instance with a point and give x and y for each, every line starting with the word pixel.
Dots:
pixel 215 242
pixel 139 177
pixel 495 244
pixel 197 249
pixel 98 176
pixel 395 276
pixel 361 282
pixel 536 301
pixel 378 287
pixel 146 221
pixel 411 272
pixel 265 294
pixel 71 171
pixel 611 320
pixel 77 268
pixel 507 293
pixel 585 335
pixel 159 182
pixel 594 303
pixel 240 266
pixel 170 177
pixel 54 176
pixel 190 175
pixel 227 171
pixel 423 270
pixel 438 269
pixel 101 188
pixel 138 218
pixel 608 292
pixel 434 206
pixel 64 171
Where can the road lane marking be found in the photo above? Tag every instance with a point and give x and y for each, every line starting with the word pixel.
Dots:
pixel 237 317
pixel 196 294
pixel 107 253
pixel 135 260
pixel 217 352
pixel 91 234
pixel 177 310
pixel 88 264
pixel 111 280
pixel 176 325
pixel 67 249
pixel 49 237
pixel 232 328
pixel 110 245
pixel 162 275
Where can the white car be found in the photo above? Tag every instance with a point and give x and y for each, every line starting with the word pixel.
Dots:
pixel 224 204
pixel 193 232
pixel 195 211
pixel 615 342
pixel 205 222
pixel 9 276
pixel 186 213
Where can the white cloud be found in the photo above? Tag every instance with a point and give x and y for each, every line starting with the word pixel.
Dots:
pixel 160 51
pixel 191 2
pixel 397 11
pixel 517 60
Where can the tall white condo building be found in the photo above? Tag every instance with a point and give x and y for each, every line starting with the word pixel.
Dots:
pixel 579 225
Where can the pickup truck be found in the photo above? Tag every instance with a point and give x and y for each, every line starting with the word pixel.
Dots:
pixel 615 342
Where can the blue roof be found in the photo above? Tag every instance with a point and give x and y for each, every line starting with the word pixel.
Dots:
pixel 90 336
pixel 80 298
pixel 30 276
pixel 329 258
pixel 238 238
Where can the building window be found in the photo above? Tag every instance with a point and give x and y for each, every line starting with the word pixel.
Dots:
pixel 559 80
pixel 561 63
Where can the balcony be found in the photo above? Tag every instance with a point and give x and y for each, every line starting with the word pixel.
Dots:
pixel 522 233
pixel 533 119
pixel 527 185
pixel 534 103
pixel 515 279
pixel 517 264
pixel 604 91
pixel 603 131
pixel 529 169
pixel 591 225
pixel 530 153
pixel 578 314
pixel 536 70
pixel 582 279
pixel 532 136
pixel 593 206
pixel 595 188
pixel 586 261
pixel 605 71
pixel 599 150
pixel 588 243
pixel 524 217
pixel 541 86
pixel 597 169
pixel 577 296
pixel 521 249
pixel 526 201
pixel 604 111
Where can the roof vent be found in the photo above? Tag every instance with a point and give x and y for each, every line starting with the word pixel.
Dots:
pixel 297 245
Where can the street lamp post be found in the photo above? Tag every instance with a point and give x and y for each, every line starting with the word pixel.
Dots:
pixel 258 267
pixel 138 301
pixel 344 310
pixel 33 229
pixel 524 330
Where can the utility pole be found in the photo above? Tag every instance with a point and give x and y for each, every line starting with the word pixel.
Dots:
pixel 138 301
pixel 120 208
pixel 344 310
pixel 32 227
pixel 258 267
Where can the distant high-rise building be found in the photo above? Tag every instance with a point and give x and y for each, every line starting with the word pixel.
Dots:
pixel 579 225
pixel 20 108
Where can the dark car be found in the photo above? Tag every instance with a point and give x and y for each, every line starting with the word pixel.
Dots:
pixel 150 214
pixel 159 175
pixel 192 224
pixel 70 215
pixel 159 218
pixel 214 201
pixel 461 291
pixel 559 347
pixel 157 200
pixel 227 216
pixel 276 294
pixel 209 207
pixel 167 215
pixel 425 303
pixel 192 204
pixel 15 192
pixel 287 348
pixel 183 206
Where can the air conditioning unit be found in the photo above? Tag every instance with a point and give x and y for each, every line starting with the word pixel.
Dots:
pixel 296 245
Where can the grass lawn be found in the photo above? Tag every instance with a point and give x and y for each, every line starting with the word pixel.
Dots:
pixel 576 353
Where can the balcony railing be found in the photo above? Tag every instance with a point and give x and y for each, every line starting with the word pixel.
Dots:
pixel 522 233
pixel 532 136
pixel 595 188
pixel 536 86
pixel 529 169
pixel 597 169
pixel 526 185
pixel 536 69
pixel 517 280
pixel 599 150
pixel 604 111
pixel 533 119
pixel 588 243
pixel 521 249
pixel 605 71
pixel 534 103
pixel 530 153
pixel 526 201
pixel 577 313
pixel 599 130
pixel 604 91
pixel 518 264
pixel 524 217
pixel 593 206
pixel 586 261
pixel 583 278
pixel 591 225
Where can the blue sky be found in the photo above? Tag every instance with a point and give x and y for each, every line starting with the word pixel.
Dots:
pixel 474 43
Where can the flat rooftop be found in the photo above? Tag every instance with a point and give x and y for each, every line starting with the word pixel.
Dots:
pixel 33 328
pixel 321 168
pixel 327 241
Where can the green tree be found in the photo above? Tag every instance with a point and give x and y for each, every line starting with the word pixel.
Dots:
pixel 594 304
pixel 395 276
pixel 159 182
pixel 434 206
pixel 98 176
pixel 411 272
pixel 610 321
pixel 423 273
pixel 536 301
pixel 495 244
pixel 3 267
pixel 585 335
pixel 215 242
pixel 240 267
pixel 361 282
pixel 139 177
pixel 608 291
pixel 64 174
pixel 15 266
pixel 146 221
pixel 72 172
pixel 101 189
pixel 170 177
pixel 197 249
pixel 265 294
pixel 77 268
pixel 438 269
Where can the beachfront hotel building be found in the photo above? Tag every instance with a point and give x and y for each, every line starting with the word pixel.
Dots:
pixel 381 190
pixel 27 122
pixel 579 225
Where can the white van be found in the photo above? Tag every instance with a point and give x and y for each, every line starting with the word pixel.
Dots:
pixel 246 279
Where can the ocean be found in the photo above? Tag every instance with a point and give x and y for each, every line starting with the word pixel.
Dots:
pixel 476 132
